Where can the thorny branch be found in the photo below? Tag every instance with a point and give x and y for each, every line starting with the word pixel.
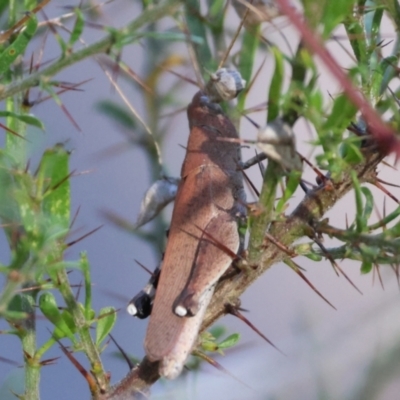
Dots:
pixel 263 252
pixel 310 210
pixel 102 46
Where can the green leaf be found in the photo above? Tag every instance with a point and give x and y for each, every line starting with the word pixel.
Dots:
pixel 67 318
pixel 54 183
pixel 117 112
pixel 291 186
pixel 334 13
pixel 229 341
pixel 351 152
pixel 366 267
pixel 85 268
pixel 209 345
pixel 373 28
pixel 105 323
pixel 387 67
pixel 392 232
pixel 48 306
pixel 313 256
pixel 10 54
pixel 9 210
pixel 63 45
pixel 369 203
pixel 369 252
pixel 208 340
pixel 18 308
pixel 247 57
pixel 15 316
pixel 78 27
pixel 26 118
pixel 275 87
pixel 342 114
pixel 216 8
pixel 358 42
pixel 393 10
pixel 330 134
pixel 313 11
pixel 217 331
pixel 360 222
pixel 384 221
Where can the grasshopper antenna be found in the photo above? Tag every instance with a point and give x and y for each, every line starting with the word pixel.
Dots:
pixel 192 57
pixel 235 36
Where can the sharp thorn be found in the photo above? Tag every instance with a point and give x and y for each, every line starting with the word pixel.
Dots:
pixel 220 245
pixel 387 183
pixel 88 377
pixel 78 292
pixel 8 361
pixel 251 184
pixel 254 123
pixel 280 245
pixel 123 353
pixel 320 175
pixel 235 312
pixel 84 236
pixel 303 186
pixel 217 365
pixel 74 217
pixel 335 265
pixel 296 269
pixel 49 361
pixel 145 268
pixel 384 190
pixel 378 272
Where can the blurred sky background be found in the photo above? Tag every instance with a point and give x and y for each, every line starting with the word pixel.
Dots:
pixel 329 354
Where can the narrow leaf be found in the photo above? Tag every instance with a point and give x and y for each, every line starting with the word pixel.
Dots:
pixel 106 321
pixel 49 308
pixel 78 28
pixel 26 118
pixel 53 178
pixel 275 87
pixel 360 222
pixel 230 341
pixel 10 54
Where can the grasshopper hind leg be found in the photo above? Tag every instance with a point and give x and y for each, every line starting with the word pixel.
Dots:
pixel 212 260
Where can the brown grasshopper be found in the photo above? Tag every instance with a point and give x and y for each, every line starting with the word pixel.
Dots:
pixel 209 199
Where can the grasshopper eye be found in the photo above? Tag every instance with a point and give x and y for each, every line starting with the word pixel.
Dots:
pixel 225 84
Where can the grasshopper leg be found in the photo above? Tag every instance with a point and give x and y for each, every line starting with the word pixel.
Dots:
pixel 212 260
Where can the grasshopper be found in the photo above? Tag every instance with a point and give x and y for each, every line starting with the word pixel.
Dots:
pixel 209 200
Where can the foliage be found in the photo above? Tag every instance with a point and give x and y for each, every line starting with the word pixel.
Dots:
pixel 35 203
